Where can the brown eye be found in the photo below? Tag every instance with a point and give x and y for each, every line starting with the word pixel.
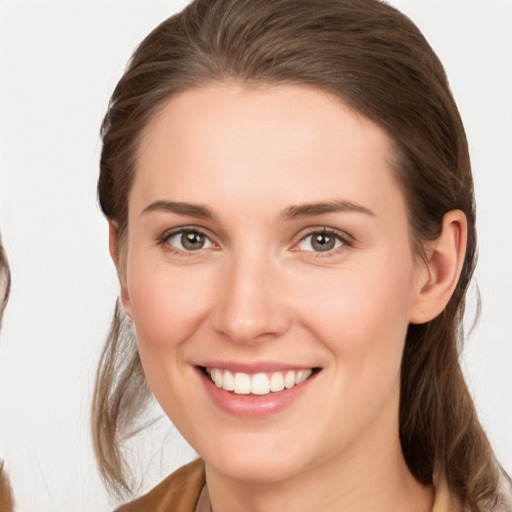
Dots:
pixel 189 240
pixel 322 241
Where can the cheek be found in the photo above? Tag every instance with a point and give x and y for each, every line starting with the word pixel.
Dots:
pixel 362 315
pixel 167 307
pixel 167 304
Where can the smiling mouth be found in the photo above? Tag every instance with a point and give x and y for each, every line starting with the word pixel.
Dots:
pixel 260 384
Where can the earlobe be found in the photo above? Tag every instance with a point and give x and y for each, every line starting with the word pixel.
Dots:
pixel 445 258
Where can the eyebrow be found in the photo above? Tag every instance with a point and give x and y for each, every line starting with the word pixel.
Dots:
pixel 291 213
pixel 181 208
pixel 314 209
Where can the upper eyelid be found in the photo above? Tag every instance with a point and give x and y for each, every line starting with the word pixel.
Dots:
pixel 343 235
pixel 174 231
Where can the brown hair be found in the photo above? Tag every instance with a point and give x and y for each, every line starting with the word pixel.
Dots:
pixel 376 61
pixel 6 498
pixel 5 281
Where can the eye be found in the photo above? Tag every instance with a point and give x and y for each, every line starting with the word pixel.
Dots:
pixel 188 240
pixel 321 241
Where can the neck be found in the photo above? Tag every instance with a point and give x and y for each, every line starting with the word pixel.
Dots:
pixel 372 478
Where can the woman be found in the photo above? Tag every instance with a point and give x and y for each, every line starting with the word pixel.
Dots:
pixel 291 215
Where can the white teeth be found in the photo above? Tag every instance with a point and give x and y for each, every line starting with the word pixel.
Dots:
pixel 228 381
pixel 217 377
pixel 289 379
pixel 259 383
pixel 302 375
pixel 276 382
pixel 242 384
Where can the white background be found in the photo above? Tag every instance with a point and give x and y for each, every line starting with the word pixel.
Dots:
pixel 59 62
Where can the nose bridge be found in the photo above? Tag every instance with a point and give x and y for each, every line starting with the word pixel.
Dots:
pixel 250 304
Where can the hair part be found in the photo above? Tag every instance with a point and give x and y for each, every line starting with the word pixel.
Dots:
pixel 377 62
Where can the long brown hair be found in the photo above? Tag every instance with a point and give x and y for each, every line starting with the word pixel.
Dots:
pixel 376 61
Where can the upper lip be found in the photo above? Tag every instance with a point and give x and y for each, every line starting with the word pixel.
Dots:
pixel 254 367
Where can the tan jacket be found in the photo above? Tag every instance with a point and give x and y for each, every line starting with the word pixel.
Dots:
pixel 180 492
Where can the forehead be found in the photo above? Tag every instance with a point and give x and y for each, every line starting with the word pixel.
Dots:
pixel 294 142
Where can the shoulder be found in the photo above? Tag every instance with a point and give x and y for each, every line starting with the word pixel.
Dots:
pixel 178 492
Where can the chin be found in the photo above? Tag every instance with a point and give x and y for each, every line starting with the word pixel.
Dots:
pixel 259 470
pixel 265 461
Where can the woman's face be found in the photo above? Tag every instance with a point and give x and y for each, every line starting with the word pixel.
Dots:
pixel 268 243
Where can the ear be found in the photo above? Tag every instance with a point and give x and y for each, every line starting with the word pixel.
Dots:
pixel 440 273
pixel 119 262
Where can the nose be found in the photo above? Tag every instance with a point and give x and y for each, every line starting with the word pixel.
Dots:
pixel 251 303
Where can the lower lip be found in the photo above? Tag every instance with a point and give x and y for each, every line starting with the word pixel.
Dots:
pixel 253 406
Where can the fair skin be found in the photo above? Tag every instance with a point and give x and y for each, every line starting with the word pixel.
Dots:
pixel 267 234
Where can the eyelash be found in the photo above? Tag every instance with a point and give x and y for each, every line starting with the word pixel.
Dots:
pixel 345 239
pixel 163 240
